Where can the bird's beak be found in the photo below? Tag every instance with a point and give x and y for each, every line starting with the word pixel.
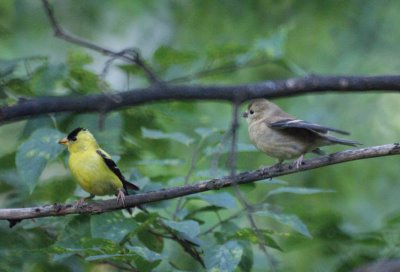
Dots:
pixel 245 114
pixel 63 141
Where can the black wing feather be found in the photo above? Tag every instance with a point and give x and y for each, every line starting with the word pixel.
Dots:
pixel 293 123
pixel 114 168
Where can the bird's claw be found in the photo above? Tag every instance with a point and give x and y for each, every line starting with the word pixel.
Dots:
pixel 121 197
pixel 79 203
pixel 299 162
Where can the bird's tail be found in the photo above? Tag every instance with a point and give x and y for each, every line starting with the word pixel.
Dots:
pixel 335 140
pixel 129 185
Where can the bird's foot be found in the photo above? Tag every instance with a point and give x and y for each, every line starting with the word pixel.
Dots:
pixel 82 201
pixel 79 203
pixel 121 197
pixel 278 165
pixel 299 162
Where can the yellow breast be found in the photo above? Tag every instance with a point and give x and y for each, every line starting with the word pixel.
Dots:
pixel 92 174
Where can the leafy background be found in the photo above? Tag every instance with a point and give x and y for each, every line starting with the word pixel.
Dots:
pixel 331 219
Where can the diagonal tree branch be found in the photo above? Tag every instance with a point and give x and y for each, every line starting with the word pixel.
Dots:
pixel 161 92
pixel 130 55
pixel 16 214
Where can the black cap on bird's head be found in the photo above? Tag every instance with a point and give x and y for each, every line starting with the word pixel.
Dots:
pixel 71 136
pixel 74 133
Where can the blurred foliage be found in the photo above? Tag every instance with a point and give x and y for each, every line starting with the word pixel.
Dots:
pixel 331 219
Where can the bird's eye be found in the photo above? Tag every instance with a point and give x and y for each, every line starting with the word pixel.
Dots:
pixel 251 112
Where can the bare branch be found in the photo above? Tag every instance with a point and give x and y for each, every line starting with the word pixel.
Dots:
pixel 130 55
pixel 234 93
pixel 16 214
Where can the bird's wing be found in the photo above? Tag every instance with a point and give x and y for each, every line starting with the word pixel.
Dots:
pixel 114 168
pixel 295 123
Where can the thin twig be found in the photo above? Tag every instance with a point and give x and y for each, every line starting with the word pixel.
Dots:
pixel 130 55
pixel 189 174
pixel 220 150
pixel 187 246
pixel 247 207
pixel 221 222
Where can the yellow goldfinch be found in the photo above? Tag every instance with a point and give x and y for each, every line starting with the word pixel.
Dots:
pixel 284 137
pixel 93 168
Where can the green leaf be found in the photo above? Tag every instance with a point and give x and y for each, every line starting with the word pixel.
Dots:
pixel 74 231
pixel 32 124
pixel 62 256
pixel 229 227
pixel 248 234
pixel 112 226
pixel 106 257
pixel 219 149
pixel 289 220
pixel 226 53
pixel 165 162
pixel 206 132
pixel 145 253
pixel 151 241
pixel 143 258
pixel 78 58
pixel 224 258
pixel 298 190
pixel 80 79
pixel 10 66
pixel 158 134
pixel 7 67
pixel 131 69
pixel 33 155
pixel 246 263
pixel 273 46
pixel 224 200
pixel 45 79
pixel 55 190
pixel 165 56
pixel 184 213
pixel 189 227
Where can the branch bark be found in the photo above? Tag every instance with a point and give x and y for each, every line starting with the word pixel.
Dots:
pixel 17 214
pixel 163 92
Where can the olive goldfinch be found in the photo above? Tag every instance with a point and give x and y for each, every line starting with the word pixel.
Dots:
pixel 284 137
pixel 93 168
